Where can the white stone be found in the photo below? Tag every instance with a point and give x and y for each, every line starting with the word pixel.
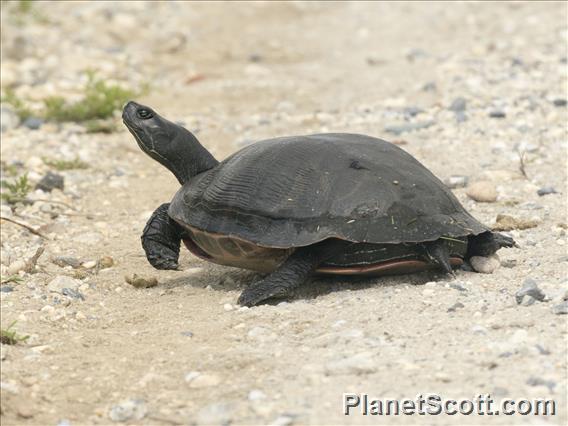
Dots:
pixel 485 265
pixel 361 363
pixel 256 395
pixel 17 266
pixel 483 191
pixel 60 282
pixel 90 264
pixel 205 381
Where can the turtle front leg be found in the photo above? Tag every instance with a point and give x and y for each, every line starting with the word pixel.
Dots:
pixel 161 239
pixel 294 272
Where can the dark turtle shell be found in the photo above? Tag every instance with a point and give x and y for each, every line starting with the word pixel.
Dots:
pixel 296 191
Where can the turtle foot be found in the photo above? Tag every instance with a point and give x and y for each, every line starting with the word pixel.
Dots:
pixel 260 292
pixel 161 239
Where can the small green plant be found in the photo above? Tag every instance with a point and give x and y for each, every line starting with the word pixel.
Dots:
pixel 24 6
pixel 100 126
pixel 8 336
pixel 100 101
pixel 16 190
pixel 18 104
pixel 62 165
pixel 12 279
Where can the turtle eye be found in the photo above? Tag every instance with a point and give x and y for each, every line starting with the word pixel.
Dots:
pixel 144 113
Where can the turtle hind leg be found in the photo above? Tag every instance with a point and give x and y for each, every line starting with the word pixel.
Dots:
pixel 161 239
pixel 294 272
pixel 487 244
pixel 437 254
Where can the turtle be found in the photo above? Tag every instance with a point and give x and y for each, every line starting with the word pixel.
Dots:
pixel 297 206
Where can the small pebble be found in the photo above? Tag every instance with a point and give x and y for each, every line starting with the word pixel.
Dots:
pixel 106 262
pixel 455 307
pixel 75 294
pixel 50 182
pixel 539 381
pixel 141 282
pixel 6 289
pixel 33 123
pixel 458 105
pixel 132 409
pixel 63 261
pixel 561 308
pixel 398 129
pixel 505 222
pixel 256 395
pixel 61 283
pixel 204 381
pixel 17 266
pixel 546 190
pixel 528 291
pixel 497 114
pixel 482 191
pixel 456 181
pixel 228 307
pixel 485 265
pixel 559 102
pixel 90 264
pixel 361 363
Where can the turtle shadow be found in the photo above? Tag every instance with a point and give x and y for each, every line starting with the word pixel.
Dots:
pixel 219 278
pixel 227 279
pixel 324 285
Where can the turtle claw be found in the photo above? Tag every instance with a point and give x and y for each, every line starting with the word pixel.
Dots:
pixel 162 263
pixel 260 292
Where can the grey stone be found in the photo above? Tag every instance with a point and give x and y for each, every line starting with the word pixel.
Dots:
pixel 458 105
pixel 529 291
pixel 458 286
pixel 455 307
pixel 509 263
pixel 561 308
pixel 539 381
pixel 398 129
pixel 6 289
pixel 545 190
pixel 62 282
pixel 33 123
pixel 132 409
pixel 67 261
pixel 50 182
pixel 559 102
pixel 412 111
pixel 497 114
pixel 456 181
pixel 75 294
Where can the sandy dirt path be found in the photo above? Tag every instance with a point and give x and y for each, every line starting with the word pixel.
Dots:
pixel 183 352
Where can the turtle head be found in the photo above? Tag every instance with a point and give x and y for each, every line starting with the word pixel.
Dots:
pixel 168 143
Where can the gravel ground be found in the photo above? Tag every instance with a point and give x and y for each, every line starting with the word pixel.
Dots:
pixel 476 91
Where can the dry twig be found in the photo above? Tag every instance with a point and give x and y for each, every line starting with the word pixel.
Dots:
pixel 25 225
